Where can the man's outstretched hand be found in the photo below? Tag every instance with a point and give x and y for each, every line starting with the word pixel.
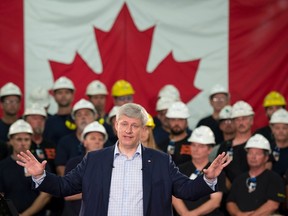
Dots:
pixel 32 165
pixel 214 170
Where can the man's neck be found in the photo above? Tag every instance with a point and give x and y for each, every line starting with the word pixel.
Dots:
pixel 200 163
pixel 9 119
pixel 64 110
pixel 282 143
pixel 178 137
pixel 241 138
pixel 228 136
pixel 37 138
pixel 254 172
pixel 128 151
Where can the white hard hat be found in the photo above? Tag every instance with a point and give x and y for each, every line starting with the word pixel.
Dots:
pixel 63 83
pixel 164 103
pixel 94 127
pixel 225 113
pixel 35 109
pixel 96 88
pixel 178 109
pixel 40 96
pixel 279 116
pixel 169 91
pixel 203 135
pixel 83 104
pixel 241 108
pixel 258 141
pixel 20 126
pixel 112 113
pixel 10 89
pixel 217 89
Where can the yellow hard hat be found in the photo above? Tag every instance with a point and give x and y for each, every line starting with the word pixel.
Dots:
pixel 150 121
pixel 122 88
pixel 274 98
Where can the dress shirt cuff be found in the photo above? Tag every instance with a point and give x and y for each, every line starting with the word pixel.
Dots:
pixel 211 183
pixel 38 181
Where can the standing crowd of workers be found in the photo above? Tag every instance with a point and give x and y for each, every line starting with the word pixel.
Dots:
pixel 255 182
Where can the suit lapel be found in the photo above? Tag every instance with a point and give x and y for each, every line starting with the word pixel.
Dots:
pixel 107 174
pixel 147 163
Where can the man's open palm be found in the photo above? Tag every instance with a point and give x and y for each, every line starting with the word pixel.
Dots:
pixel 32 165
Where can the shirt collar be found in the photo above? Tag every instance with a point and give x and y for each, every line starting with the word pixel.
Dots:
pixel 117 151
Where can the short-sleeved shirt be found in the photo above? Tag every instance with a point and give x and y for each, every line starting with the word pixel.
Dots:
pixel 266 132
pixel 4 129
pixel 239 163
pixel 279 159
pixel 58 126
pixel 181 150
pixel 269 186
pixel 46 150
pixel 188 169
pixel 68 147
pixel 16 186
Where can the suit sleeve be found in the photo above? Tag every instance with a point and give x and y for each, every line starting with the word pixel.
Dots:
pixel 185 188
pixel 68 185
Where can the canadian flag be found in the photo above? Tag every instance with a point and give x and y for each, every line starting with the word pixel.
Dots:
pixel 191 44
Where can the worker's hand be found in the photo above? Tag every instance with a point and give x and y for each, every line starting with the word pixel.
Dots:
pixel 214 170
pixel 32 165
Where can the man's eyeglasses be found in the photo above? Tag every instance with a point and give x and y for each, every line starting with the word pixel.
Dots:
pixel 13 102
pixel 125 98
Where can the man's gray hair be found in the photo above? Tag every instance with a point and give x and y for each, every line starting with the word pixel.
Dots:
pixel 133 110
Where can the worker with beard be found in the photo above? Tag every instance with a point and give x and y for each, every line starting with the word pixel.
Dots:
pixel 70 145
pixel 177 144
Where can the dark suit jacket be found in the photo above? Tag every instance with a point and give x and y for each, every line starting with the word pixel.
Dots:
pixel 92 177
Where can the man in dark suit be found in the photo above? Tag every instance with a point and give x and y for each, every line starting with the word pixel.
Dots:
pixel 125 179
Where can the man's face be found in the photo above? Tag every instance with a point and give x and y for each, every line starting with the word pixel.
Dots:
pixel 11 105
pixel 256 157
pixel 93 141
pixel 200 151
pixel 20 142
pixel 271 109
pixel 243 124
pixel 218 101
pixel 63 97
pixel 177 125
pixel 83 117
pixel 161 114
pixel 128 131
pixel 227 126
pixel 119 101
pixel 37 123
pixel 98 101
pixel 280 131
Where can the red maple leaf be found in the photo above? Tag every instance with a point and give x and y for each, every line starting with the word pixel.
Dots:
pixel 124 52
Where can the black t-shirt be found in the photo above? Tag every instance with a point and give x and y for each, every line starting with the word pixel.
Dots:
pixel 279 159
pixel 68 147
pixel 268 186
pixel 266 132
pixel 189 169
pixel 239 163
pixel 58 126
pixel 16 186
pixel 4 129
pixel 46 150
pixel 179 151
pixel 214 126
